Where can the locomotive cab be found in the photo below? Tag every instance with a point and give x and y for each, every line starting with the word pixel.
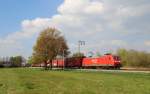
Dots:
pixel 117 61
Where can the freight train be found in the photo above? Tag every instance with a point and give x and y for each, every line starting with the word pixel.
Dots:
pixel 106 61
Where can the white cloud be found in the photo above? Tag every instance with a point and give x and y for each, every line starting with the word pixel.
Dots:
pixel 95 21
pixel 94 8
pixel 147 43
pixel 118 42
pixel 81 7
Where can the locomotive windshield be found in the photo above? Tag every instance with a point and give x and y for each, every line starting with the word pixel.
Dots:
pixel 116 58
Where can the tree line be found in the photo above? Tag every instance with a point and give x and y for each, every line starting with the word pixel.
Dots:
pixel 14 61
pixel 133 58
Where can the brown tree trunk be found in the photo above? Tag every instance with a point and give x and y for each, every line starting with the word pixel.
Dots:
pixel 45 65
pixel 51 64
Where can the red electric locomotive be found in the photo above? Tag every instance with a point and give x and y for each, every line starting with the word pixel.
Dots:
pixel 106 61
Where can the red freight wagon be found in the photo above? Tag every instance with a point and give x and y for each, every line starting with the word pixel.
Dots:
pixel 73 62
pixel 103 61
pixel 58 63
pixel 67 62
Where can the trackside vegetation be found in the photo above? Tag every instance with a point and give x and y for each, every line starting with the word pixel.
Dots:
pixel 133 58
pixel 38 81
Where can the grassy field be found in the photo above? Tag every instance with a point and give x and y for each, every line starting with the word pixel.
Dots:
pixel 37 81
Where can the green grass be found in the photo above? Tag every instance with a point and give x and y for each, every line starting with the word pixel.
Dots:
pixel 37 81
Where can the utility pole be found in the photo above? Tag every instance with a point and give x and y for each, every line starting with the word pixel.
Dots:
pixel 80 43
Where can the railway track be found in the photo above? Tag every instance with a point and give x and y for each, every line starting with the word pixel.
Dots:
pixel 131 70
pixel 121 70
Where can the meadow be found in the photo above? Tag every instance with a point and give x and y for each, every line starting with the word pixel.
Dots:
pixel 39 81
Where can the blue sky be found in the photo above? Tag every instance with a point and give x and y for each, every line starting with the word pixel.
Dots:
pixel 105 25
pixel 14 11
